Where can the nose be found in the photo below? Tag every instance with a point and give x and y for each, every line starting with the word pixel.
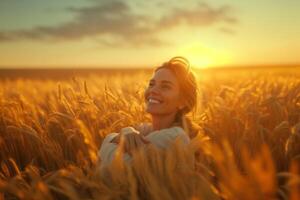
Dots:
pixel 151 91
pixel 154 90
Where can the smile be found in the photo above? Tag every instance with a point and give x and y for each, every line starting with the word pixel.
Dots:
pixel 154 101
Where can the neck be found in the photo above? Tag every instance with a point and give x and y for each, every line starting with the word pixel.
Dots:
pixel 162 121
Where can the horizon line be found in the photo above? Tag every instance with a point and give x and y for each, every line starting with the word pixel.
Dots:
pixel 129 67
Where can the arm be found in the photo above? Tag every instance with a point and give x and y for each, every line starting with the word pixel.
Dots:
pixel 108 149
pixel 132 141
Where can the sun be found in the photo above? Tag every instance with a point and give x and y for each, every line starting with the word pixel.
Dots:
pixel 204 57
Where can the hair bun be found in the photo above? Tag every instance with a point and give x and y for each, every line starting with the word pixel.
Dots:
pixel 180 60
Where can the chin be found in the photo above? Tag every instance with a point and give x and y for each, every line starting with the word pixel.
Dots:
pixel 153 111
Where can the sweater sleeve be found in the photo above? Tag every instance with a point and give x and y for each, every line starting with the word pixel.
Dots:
pixel 163 138
pixel 108 149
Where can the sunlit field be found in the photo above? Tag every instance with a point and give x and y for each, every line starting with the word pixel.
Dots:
pixel 52 125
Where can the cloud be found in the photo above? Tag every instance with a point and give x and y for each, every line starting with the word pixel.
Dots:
pixel 114 22
pixel 202 15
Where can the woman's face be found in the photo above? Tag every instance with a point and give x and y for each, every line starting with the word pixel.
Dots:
pixel 163 94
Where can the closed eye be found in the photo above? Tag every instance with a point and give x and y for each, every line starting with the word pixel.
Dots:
pixel 164 84
pixel 166 87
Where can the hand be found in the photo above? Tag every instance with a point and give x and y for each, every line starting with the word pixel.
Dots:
pixel 123 132
pixel 144 128
pixel 130 139
pixel 133 141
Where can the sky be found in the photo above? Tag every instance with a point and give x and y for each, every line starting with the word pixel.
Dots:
pixel 140 33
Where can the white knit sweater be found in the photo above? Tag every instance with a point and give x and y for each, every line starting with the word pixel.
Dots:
pixel 160 138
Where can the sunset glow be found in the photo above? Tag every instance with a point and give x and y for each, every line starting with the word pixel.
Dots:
pixel 101 33
pixel 203 57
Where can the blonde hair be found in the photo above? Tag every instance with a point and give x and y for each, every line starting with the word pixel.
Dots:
pixel 187 80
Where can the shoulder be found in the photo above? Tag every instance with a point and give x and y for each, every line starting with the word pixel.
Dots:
pixel 178 132
pixel 177 129
pixel 164 137
pixel 171 130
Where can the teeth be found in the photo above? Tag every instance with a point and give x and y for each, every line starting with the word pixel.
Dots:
pixel 153 101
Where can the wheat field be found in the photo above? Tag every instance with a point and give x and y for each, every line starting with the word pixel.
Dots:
pixel 249 146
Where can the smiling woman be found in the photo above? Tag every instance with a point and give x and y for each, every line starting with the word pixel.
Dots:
pixel 171 94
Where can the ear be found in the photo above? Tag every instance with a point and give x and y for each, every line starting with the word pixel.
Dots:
pixel 181 106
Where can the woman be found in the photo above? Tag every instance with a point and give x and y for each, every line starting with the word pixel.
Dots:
pixel 171 94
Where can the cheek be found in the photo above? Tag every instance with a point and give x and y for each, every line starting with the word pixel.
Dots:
pixel 173 100
pixel 174 96
pixel 146 94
